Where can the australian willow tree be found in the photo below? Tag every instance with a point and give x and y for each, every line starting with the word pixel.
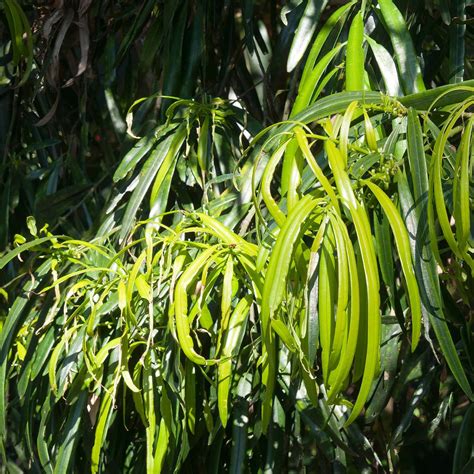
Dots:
pixel 237 236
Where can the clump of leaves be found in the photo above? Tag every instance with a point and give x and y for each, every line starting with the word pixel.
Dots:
pixel 172 329
pixel 254 298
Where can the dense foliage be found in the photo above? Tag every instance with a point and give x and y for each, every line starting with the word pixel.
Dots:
pixel 237 236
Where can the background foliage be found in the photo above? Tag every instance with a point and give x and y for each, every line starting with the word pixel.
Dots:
pixel 252 223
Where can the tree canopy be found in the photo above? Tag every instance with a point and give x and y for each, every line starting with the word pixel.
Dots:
pixel 236 236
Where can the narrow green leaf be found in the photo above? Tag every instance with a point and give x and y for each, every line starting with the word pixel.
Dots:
pixel 327 285
pixel 370 133
pixel 305 31
pixel 308 88
pixel 101 431
pixel 147 175
pixel 267 179
pixel 336 18
pixel 143 287
pixel 135 155
pixel 165 430
pixel 387 67
pixel 9 256
pixel 311 335
pixel 233 340
pixel 181 307
pixel 384 248
pixel 41 441
pixel 443 95
pixel 462 209
pixel 315 168
pixel 70 436
pixel 402 242
pixel 428 280
pixel 150 411
pixel 436 186
pixel 465 441
pixel 284 334
pixel 355 55
pixel 161 186
pixel 345 127
pixel 190 394
pixel 405 55
pixel 339 342
pixel 53 362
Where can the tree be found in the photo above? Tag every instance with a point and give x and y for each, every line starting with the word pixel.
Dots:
pixel 241 236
